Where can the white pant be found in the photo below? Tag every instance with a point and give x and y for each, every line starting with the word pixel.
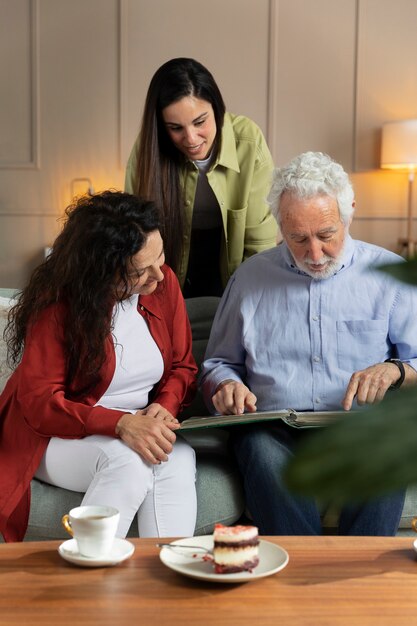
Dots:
pixel 111 473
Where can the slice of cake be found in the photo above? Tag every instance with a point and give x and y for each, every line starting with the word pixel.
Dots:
pixel 235 548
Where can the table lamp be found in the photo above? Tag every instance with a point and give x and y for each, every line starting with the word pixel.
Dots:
pixel 399 152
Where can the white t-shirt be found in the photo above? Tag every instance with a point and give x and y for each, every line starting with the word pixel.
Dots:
pixel 139 363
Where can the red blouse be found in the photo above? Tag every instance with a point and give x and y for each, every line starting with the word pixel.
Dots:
pixel 35 406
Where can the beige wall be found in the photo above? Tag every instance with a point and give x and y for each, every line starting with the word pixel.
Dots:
pixel 314 74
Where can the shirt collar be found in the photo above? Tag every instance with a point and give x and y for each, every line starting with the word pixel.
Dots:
pixel 152 303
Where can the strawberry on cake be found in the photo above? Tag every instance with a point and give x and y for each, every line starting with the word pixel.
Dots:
pixel 235 548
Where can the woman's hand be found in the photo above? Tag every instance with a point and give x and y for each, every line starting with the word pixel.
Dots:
pixel 149 434
pixel 157 410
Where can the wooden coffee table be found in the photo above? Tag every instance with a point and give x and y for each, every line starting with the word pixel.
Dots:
pixel 328 581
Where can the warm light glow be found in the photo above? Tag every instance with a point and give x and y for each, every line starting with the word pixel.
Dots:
pixel 81 186
pixel 399 152
pixel 399 145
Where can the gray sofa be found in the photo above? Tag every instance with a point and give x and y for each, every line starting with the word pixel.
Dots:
pixel 219 490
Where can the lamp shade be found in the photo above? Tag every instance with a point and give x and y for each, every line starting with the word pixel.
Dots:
pixel 399 145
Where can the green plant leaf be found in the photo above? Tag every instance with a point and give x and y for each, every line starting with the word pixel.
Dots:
pixel 368 453
pixel 405 272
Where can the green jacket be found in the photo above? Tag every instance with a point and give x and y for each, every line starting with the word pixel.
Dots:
pixel 240 178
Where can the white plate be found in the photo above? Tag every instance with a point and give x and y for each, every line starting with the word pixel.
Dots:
pixel 272 559
pixel 415 545
pixel 122 550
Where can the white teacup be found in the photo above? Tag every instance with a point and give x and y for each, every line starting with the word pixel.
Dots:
pixel 93 527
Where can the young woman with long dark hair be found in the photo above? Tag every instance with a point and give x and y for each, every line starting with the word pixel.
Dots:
pixel 208 171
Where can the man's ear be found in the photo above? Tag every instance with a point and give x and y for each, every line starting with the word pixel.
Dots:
pixel 351 217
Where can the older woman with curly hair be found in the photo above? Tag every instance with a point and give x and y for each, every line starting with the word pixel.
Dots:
pixel 101 346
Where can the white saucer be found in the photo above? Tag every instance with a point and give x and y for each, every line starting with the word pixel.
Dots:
pixel 415 545
pixel 272 559
pixel 122 550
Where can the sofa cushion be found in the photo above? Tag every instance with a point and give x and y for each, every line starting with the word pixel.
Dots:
pixel 201 312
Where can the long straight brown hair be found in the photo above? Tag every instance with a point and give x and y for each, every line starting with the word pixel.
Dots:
pixel 159 162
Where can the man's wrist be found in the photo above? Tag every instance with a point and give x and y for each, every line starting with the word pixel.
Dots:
pixel 225 382
pixel 401 367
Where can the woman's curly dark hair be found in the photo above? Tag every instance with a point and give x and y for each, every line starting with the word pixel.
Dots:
pixel 88 261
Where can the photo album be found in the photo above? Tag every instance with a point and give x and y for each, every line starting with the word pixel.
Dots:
pixel 297 419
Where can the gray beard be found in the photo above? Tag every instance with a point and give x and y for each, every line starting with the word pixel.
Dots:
pixel 332 267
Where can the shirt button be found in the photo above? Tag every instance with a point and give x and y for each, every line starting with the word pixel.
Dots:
pixel 317 400
pixel 315 318
pixel 141 307
pixel 316 359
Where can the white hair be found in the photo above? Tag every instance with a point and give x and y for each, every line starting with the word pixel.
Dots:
pixel 312 174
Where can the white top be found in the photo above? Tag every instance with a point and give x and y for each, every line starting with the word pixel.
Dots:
pixel 139 363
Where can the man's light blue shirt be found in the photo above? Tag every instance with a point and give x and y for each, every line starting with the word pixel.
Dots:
pixel 296 341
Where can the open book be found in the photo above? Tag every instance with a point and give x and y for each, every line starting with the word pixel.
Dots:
pixel 298 419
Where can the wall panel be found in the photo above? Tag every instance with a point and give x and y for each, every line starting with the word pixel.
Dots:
pixel 19 121
pixel 77 93
pixel 229 38
pixel 23 239
pixel 387 72
pixel 314 74
pixel 314 79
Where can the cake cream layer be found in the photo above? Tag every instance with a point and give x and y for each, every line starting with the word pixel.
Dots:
pixel 227 556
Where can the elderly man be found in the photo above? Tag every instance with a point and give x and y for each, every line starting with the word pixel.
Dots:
pixel 309 325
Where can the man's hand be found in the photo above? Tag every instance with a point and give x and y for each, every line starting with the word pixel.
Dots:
pixel 149 435
pixel 371 384
pixel 233 398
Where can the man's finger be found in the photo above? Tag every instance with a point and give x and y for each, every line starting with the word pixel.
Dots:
pixel 250 402
pixel 240 395
pixel 350 395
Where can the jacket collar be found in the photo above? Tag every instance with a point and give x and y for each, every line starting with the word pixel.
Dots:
pixel 228 154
